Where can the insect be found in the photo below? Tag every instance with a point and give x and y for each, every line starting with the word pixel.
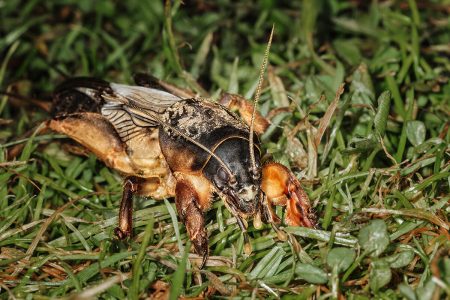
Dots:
pixel 171 144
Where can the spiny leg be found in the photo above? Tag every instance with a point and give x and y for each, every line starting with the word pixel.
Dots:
pixel 187 202
pixel 125 228
pixel 283 188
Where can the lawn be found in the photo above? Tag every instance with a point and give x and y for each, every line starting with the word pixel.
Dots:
pixel 358 96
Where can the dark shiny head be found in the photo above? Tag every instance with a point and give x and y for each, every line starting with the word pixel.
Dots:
pixel 244 193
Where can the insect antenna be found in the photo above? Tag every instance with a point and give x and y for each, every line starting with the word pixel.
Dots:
pixel 254 169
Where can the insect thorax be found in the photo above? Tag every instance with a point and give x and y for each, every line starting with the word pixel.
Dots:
pixel 207 123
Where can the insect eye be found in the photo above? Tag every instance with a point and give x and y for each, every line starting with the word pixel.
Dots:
pixel 222 174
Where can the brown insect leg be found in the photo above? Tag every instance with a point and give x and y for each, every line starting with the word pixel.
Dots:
pixel 267 213
pixel 150 81
pixel 283 188
pixel 125 227
pixel 269 216
pixel 238 103
pixel 187 202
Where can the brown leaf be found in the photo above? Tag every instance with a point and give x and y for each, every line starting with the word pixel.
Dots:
pixel 325 120
pixel 277 89
pixel 217 284
pixel 296 151
pixel 161 290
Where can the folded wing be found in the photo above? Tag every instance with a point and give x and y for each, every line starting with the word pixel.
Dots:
pixel 131 108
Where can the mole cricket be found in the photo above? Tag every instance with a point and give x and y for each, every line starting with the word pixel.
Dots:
pixel 169 143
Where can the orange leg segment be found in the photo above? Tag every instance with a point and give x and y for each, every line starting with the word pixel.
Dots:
pixel 283 188
pixel 238 103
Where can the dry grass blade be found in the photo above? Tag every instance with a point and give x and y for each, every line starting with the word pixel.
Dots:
pixel 9 164
pixel 217 283
pixel 326 119
pixel 277 89
pixel 415 213
pixel 93 292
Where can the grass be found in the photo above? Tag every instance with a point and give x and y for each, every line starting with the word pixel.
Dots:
pixel 374 160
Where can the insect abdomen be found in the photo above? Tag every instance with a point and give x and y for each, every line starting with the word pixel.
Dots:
pixel 79 95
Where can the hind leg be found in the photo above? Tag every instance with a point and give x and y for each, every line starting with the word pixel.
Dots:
pixel 125 227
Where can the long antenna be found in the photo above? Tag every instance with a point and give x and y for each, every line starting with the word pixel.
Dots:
pixel 255 102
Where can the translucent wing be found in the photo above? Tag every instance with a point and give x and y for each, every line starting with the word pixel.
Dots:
pixel 132 108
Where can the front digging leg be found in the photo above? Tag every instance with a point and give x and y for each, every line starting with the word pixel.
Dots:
pixel 187 200
pixel 283 188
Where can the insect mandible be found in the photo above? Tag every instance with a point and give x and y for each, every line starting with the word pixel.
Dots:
pixel 167 144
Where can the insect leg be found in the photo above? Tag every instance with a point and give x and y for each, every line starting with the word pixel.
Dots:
pixel 266 211
pixel 283 188
pixel 187 200
pixel 243 226
pixel 150 81
pixel 125 227
pixel 238 103
pixel 269 217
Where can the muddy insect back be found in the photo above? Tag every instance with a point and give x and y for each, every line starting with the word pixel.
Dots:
pixel 207 123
